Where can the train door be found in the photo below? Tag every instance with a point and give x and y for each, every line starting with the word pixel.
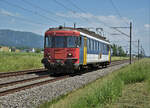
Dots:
pixel 109 53
pixel 81 49
pixel 85 51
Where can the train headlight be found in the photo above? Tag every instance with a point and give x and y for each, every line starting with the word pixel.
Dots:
pixel 69 54
pixel 48 55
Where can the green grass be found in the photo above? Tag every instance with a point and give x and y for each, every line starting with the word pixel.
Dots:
pixel 114 58
pixel 134 95
pixel 10 61
pixel 105 90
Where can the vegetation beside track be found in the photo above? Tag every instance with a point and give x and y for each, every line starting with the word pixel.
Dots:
pixel 11 61
pixel 115 58
pixel 105 91
pixel 135 95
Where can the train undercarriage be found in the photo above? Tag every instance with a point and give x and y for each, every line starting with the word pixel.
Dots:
pixel 68 66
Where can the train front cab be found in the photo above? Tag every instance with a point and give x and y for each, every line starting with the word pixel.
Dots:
pixel 61 51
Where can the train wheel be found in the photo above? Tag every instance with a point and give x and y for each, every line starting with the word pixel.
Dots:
pixel 103 65
pixel 78 69
pixel 70 71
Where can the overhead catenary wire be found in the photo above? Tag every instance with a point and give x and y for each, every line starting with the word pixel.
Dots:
pixel 117 11
pixel 36 6
pixel 73 4
pixel 43 9
pixel 26 20
pixel 122 32
pixel 59 3
pixel 69 9
pixel 98 20
pixel 31 11
pixel 84 12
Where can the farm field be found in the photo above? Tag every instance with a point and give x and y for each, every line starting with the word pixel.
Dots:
pixel 114 90
pixel 10 61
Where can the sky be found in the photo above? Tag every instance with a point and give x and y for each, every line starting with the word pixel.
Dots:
pixel 38 15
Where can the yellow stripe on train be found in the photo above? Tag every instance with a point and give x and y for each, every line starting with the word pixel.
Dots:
pixel 109 55
pixel 85 51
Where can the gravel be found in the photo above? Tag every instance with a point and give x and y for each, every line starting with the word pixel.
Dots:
pixel 24 84
pixel 33 97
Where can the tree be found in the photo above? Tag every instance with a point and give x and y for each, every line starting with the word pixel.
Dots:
pixel 37 50
pixel 114 48
pixel 118 50
pixel 121 51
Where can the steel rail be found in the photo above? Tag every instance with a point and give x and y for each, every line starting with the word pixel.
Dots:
pixel 17 73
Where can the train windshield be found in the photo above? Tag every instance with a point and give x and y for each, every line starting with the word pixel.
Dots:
pixel 61 42
pixel 71 42
pixel 48 42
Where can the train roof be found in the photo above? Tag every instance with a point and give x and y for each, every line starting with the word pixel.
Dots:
pixel 83 30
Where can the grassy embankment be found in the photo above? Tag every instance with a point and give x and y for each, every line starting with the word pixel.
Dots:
pixel 107 90
pixel 10 61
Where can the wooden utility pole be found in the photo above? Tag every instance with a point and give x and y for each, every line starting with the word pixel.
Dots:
pixel 138 48
pixel 130 41
pixel 64 25
pixel 129 36
pixel 74 25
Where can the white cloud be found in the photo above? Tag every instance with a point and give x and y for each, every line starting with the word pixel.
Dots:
pixel 97 19
pixel 147 26
pixel 12 20
pixel 4 12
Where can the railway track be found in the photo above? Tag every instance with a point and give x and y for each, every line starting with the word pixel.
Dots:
pixel 9 74
pixel 16 89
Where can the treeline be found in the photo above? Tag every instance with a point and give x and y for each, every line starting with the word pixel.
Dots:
pixel 118 51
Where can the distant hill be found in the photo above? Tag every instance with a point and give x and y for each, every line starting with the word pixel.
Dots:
pixel 20 39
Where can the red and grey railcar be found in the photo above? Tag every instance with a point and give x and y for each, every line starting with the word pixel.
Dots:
pixel 69 49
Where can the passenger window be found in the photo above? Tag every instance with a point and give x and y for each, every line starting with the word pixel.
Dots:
pixel 107 49
pixel 93 45
pixel 100 47
pixel 48 42
pixel 80 41
pixel 89 44
pixel 97 46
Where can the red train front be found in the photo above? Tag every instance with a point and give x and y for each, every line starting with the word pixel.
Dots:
pixel 61 50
